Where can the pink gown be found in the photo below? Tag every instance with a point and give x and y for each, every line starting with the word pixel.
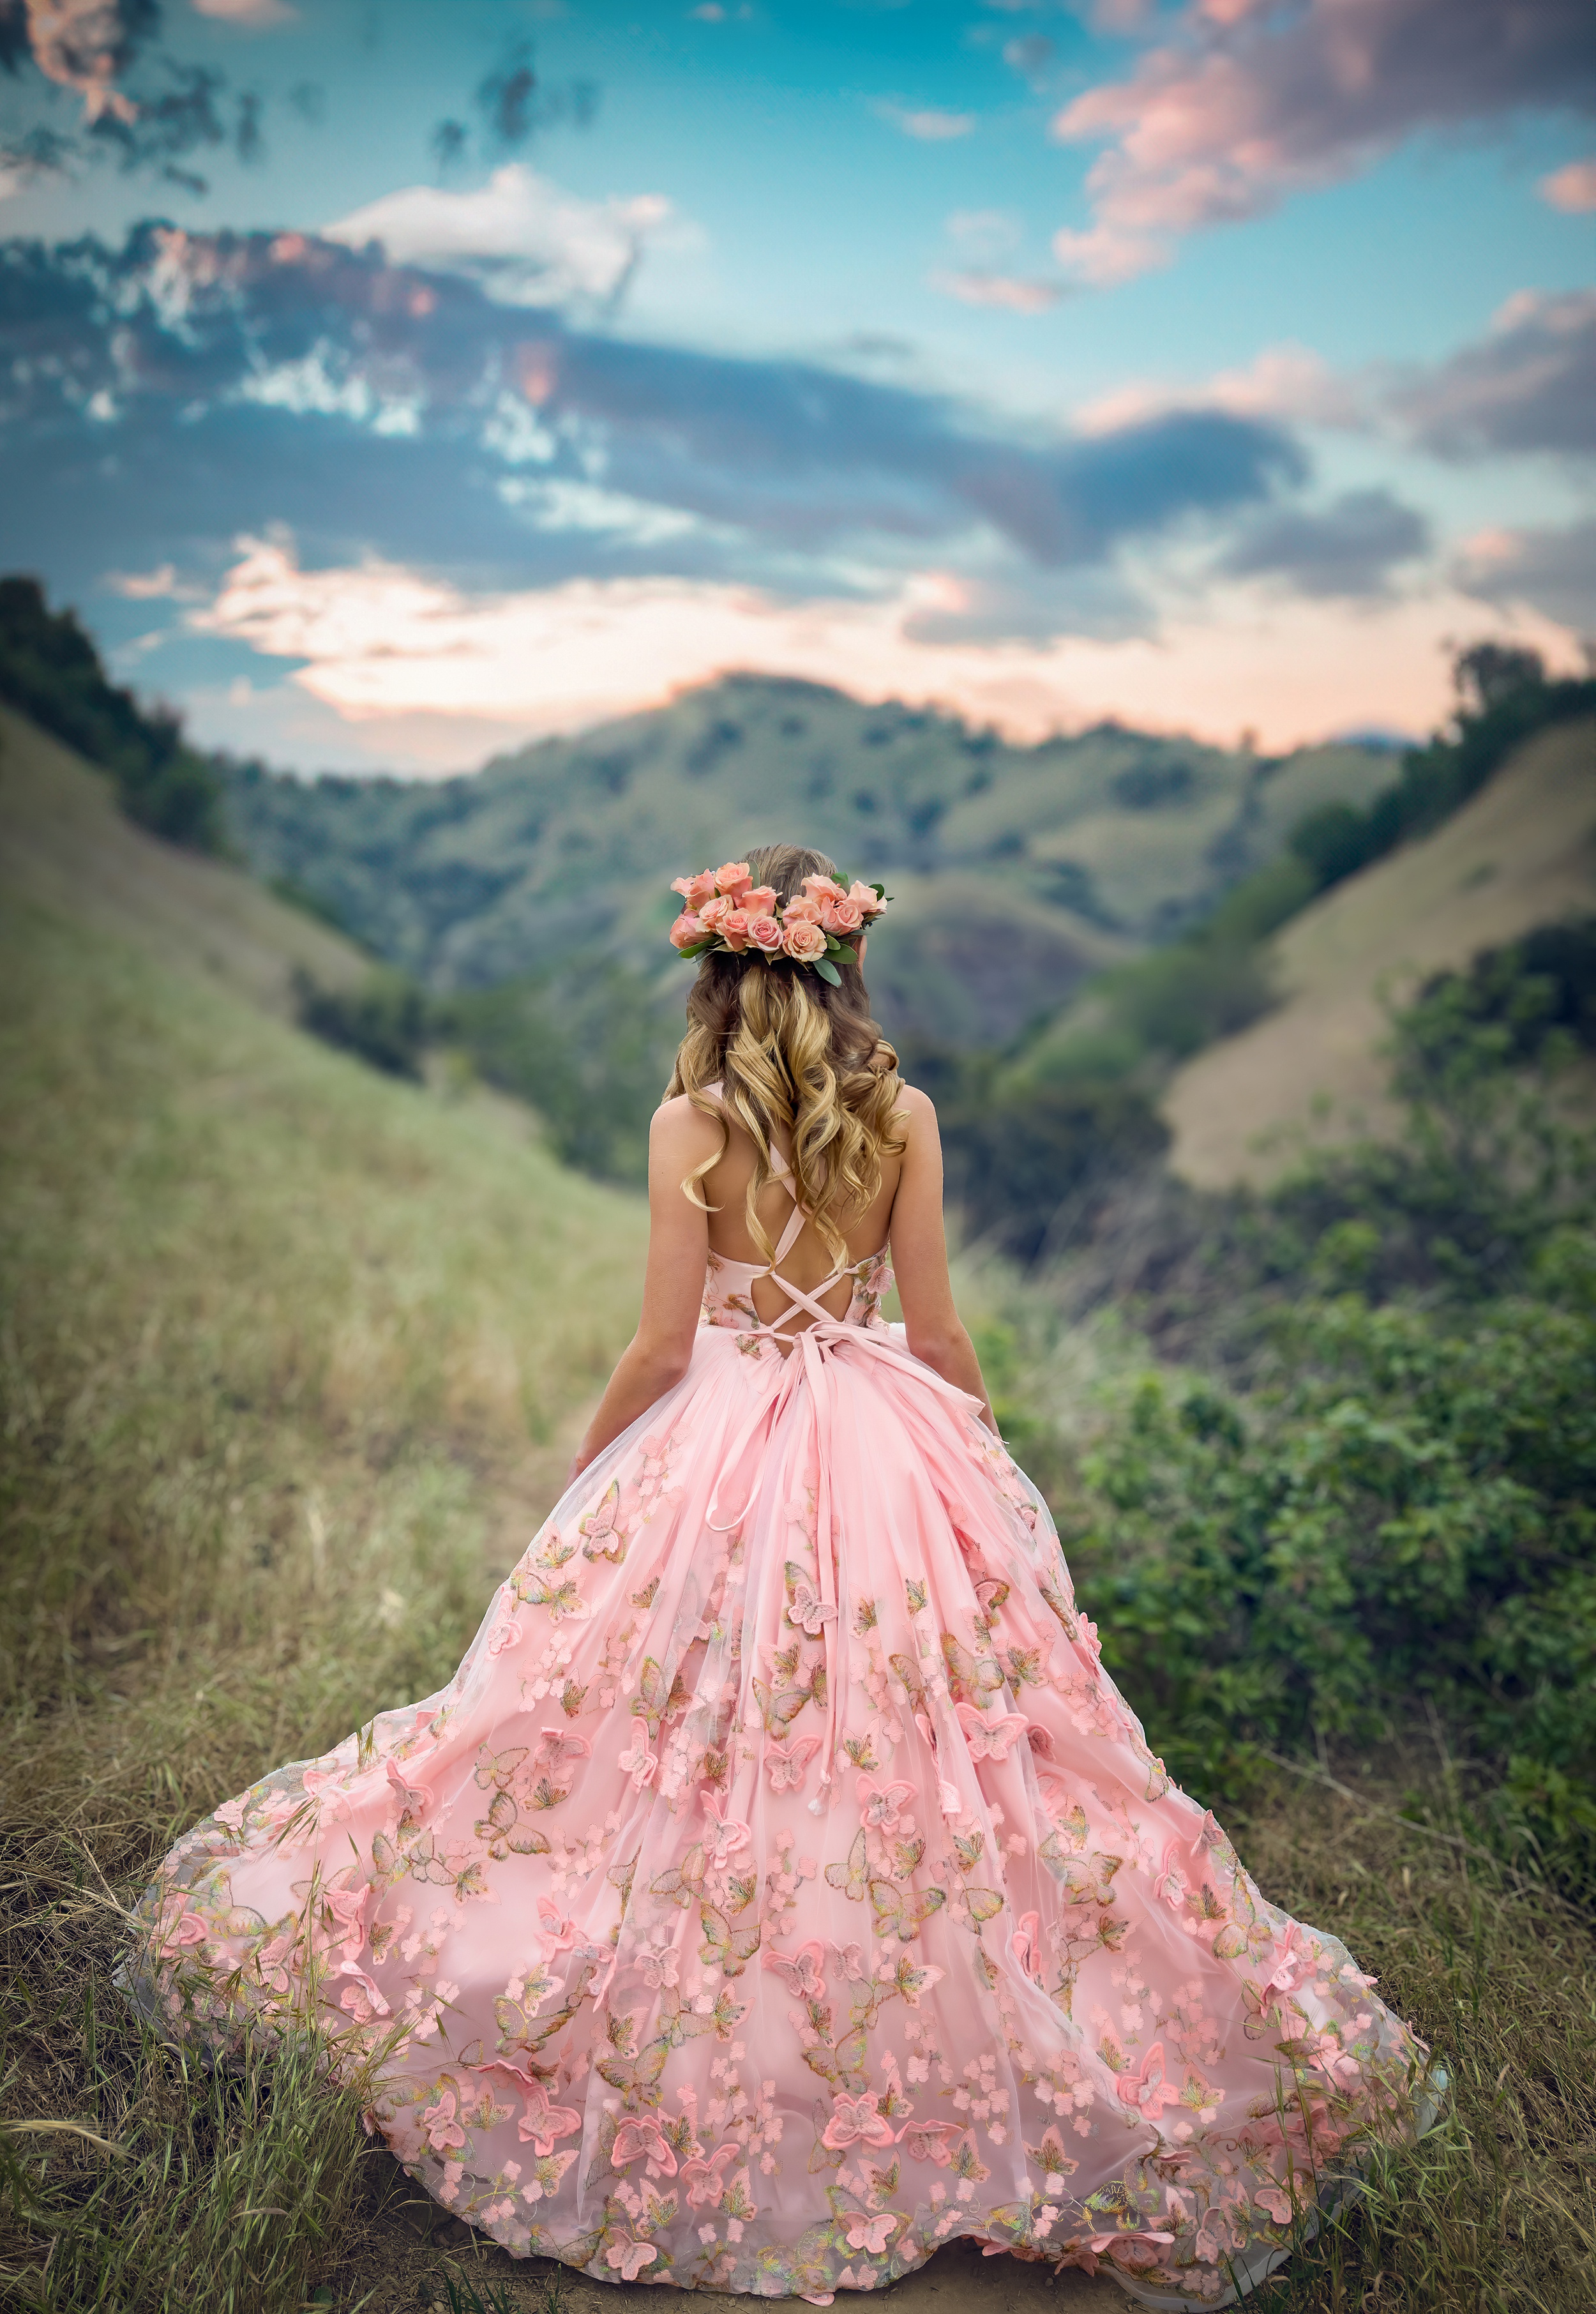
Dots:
pixel 781 1888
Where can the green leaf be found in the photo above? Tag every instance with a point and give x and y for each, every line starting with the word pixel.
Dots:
pixel 828 971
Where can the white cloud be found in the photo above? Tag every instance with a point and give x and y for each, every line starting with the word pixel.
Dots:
pixel 1573 188
pixel 389 652
pixel 524 238
pixel 929 125
pixel 983 235
pixel 162 585
pixel 255 14
pixel 321 381
pixel 557 505
pixel 1107 254
pixel 1010 293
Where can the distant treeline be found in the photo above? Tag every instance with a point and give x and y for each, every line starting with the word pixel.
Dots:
pixel 50 671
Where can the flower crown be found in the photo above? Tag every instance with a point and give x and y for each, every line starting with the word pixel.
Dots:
pixel 726 911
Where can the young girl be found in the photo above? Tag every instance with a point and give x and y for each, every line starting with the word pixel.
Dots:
pixel 782 1887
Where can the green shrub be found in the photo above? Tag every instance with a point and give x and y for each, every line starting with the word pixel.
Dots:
pixel 1024 1160
pixel 385 1022
pixel 1406 1518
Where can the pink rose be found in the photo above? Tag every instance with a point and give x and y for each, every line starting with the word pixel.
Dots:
pixel 801 910
pixel 805 942
pixel 687 929
pixel 760 900
pixel 733 880
pixel 823 889
pixel 695 890
pixel 865 900
pixel 843 916
pixel 764 933
pixel 734 929
pixel 714 912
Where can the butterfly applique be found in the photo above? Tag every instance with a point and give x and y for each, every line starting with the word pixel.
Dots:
pixel 725 1948
pixel 786 1764
pixel 881 1804
pixel 800 1972
pixel 1146 2088
pixel 807 1611
pixel 704 2179
pixel 900 1915
pixel 991 1739
pixel 778 1707
pixel 851 1875
pixel 969 1677
pixel 931 2141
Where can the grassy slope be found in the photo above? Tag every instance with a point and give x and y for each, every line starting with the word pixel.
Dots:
pixel 64 840
pixel 1522 852
pixel 290 1357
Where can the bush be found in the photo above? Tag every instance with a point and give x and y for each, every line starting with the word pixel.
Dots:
pixel 385 1022
pixel 1534 989
pixel 1025 1162
pixel 1406 1519
pixel 50 671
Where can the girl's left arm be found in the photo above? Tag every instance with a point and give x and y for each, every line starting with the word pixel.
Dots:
pixel 657 1355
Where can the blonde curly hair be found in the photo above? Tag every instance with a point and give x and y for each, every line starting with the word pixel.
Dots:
pixel 795 1058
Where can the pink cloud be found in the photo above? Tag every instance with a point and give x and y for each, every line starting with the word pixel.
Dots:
pixel 1008 292
pixel 401 666
pixel 1573 188
pixel 1287 380
pixel 1255 100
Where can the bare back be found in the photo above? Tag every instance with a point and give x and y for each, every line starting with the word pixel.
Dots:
pixel 808 1262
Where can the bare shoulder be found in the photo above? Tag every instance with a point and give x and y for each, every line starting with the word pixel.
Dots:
pixel 914 1115
pixel 917 1109
pixel 678 1124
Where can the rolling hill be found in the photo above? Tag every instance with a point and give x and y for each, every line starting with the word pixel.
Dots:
pixel 1521 854
pixel 1017 871
pixel 64 843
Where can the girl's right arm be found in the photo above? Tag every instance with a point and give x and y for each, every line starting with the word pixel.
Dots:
pixel 932 1326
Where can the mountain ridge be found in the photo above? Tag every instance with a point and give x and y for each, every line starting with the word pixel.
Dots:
pixel 1062 857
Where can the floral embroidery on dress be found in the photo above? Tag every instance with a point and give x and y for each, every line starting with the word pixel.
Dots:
pixel 781 1888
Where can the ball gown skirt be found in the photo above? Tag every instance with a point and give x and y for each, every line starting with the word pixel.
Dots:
pixel 781 1888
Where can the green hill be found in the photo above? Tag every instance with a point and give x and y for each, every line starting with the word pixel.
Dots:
pixel 66 844
pixel 1520 854
pixel 1017 871
pixel 291 1359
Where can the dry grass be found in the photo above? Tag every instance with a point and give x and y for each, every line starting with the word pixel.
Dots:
pixel 290 1358
pixel 1496 2211
pixel 1308 1075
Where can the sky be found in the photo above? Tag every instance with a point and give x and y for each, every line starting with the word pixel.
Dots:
pixel 387 383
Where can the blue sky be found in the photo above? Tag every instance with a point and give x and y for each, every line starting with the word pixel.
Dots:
pixel 1210 364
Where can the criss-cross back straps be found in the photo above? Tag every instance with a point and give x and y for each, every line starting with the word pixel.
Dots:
pixel 797 1295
